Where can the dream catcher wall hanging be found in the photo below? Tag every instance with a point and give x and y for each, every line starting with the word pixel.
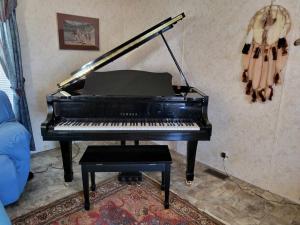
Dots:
pixel 265 52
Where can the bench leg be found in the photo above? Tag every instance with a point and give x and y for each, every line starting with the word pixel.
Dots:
pixel 85 183
pixel 167 185
pixel 93 186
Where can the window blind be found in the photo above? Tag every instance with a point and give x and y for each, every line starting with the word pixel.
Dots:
pixel 5 84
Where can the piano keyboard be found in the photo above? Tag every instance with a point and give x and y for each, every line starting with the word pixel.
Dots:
pixel 140 125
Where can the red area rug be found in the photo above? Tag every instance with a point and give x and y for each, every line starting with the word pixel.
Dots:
pixel 114 204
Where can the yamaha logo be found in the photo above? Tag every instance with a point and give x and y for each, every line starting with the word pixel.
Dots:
pixel 128 114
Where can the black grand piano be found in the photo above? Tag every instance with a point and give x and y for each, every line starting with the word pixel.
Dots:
pixel 126 105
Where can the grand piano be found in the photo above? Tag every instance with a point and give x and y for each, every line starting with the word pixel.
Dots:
pixel 127 105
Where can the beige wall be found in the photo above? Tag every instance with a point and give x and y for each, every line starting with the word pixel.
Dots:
pixel 261 139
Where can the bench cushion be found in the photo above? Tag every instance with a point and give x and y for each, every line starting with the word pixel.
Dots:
pixel 144 154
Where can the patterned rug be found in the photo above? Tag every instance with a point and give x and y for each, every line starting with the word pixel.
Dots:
pixel 114 204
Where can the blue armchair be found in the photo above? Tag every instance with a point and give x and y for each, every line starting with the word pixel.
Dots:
pixel 14 154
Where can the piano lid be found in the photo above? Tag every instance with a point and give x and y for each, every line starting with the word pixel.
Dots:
pixel 121 83
pixel 121 50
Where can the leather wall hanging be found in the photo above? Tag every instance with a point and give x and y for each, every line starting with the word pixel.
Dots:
pixel 265 52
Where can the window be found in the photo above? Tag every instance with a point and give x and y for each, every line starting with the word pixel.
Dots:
pixel 5 85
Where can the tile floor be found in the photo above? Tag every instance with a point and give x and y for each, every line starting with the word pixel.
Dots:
pixel 230 200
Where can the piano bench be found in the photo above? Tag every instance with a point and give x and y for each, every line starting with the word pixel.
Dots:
pixel 128 158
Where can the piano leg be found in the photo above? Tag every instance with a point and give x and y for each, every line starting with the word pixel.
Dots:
pixel 66 152
pixel 191 156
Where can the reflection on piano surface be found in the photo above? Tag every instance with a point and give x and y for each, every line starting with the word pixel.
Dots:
pixel 126 105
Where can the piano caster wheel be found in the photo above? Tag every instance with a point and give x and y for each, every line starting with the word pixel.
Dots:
pixel 66 184
pixel 188 182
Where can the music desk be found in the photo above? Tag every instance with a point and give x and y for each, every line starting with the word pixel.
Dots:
pixel 125 159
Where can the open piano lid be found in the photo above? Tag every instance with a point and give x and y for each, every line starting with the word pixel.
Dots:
pixel 119 51
pixel 128 83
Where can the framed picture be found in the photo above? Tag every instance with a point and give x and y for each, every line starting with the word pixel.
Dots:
pixel 78 32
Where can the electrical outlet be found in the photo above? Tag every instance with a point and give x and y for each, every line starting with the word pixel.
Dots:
pixel 224 155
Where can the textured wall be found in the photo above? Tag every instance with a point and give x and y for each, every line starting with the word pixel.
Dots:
pixel 261 139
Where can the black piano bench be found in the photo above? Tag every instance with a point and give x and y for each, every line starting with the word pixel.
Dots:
pixel 128 158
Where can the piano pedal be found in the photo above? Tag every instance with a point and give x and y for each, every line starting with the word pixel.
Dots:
pixel 130 177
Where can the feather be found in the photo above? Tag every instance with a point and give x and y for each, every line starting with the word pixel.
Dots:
pixel 276 78
pixel 282 43
pixel 248 87
pixel 261 94
pixel 274 53
pixel 245 76
pixel 271 69
pixel 245 62
pixel 271 93
pixel 251 63
pixel 257 68
pixel 256 53
pixel 280 64
pixel 264 76
pixel 248 42
pixel 246 49
pixel 253 96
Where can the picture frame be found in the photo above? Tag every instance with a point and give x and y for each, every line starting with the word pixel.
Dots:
pixel 78 32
